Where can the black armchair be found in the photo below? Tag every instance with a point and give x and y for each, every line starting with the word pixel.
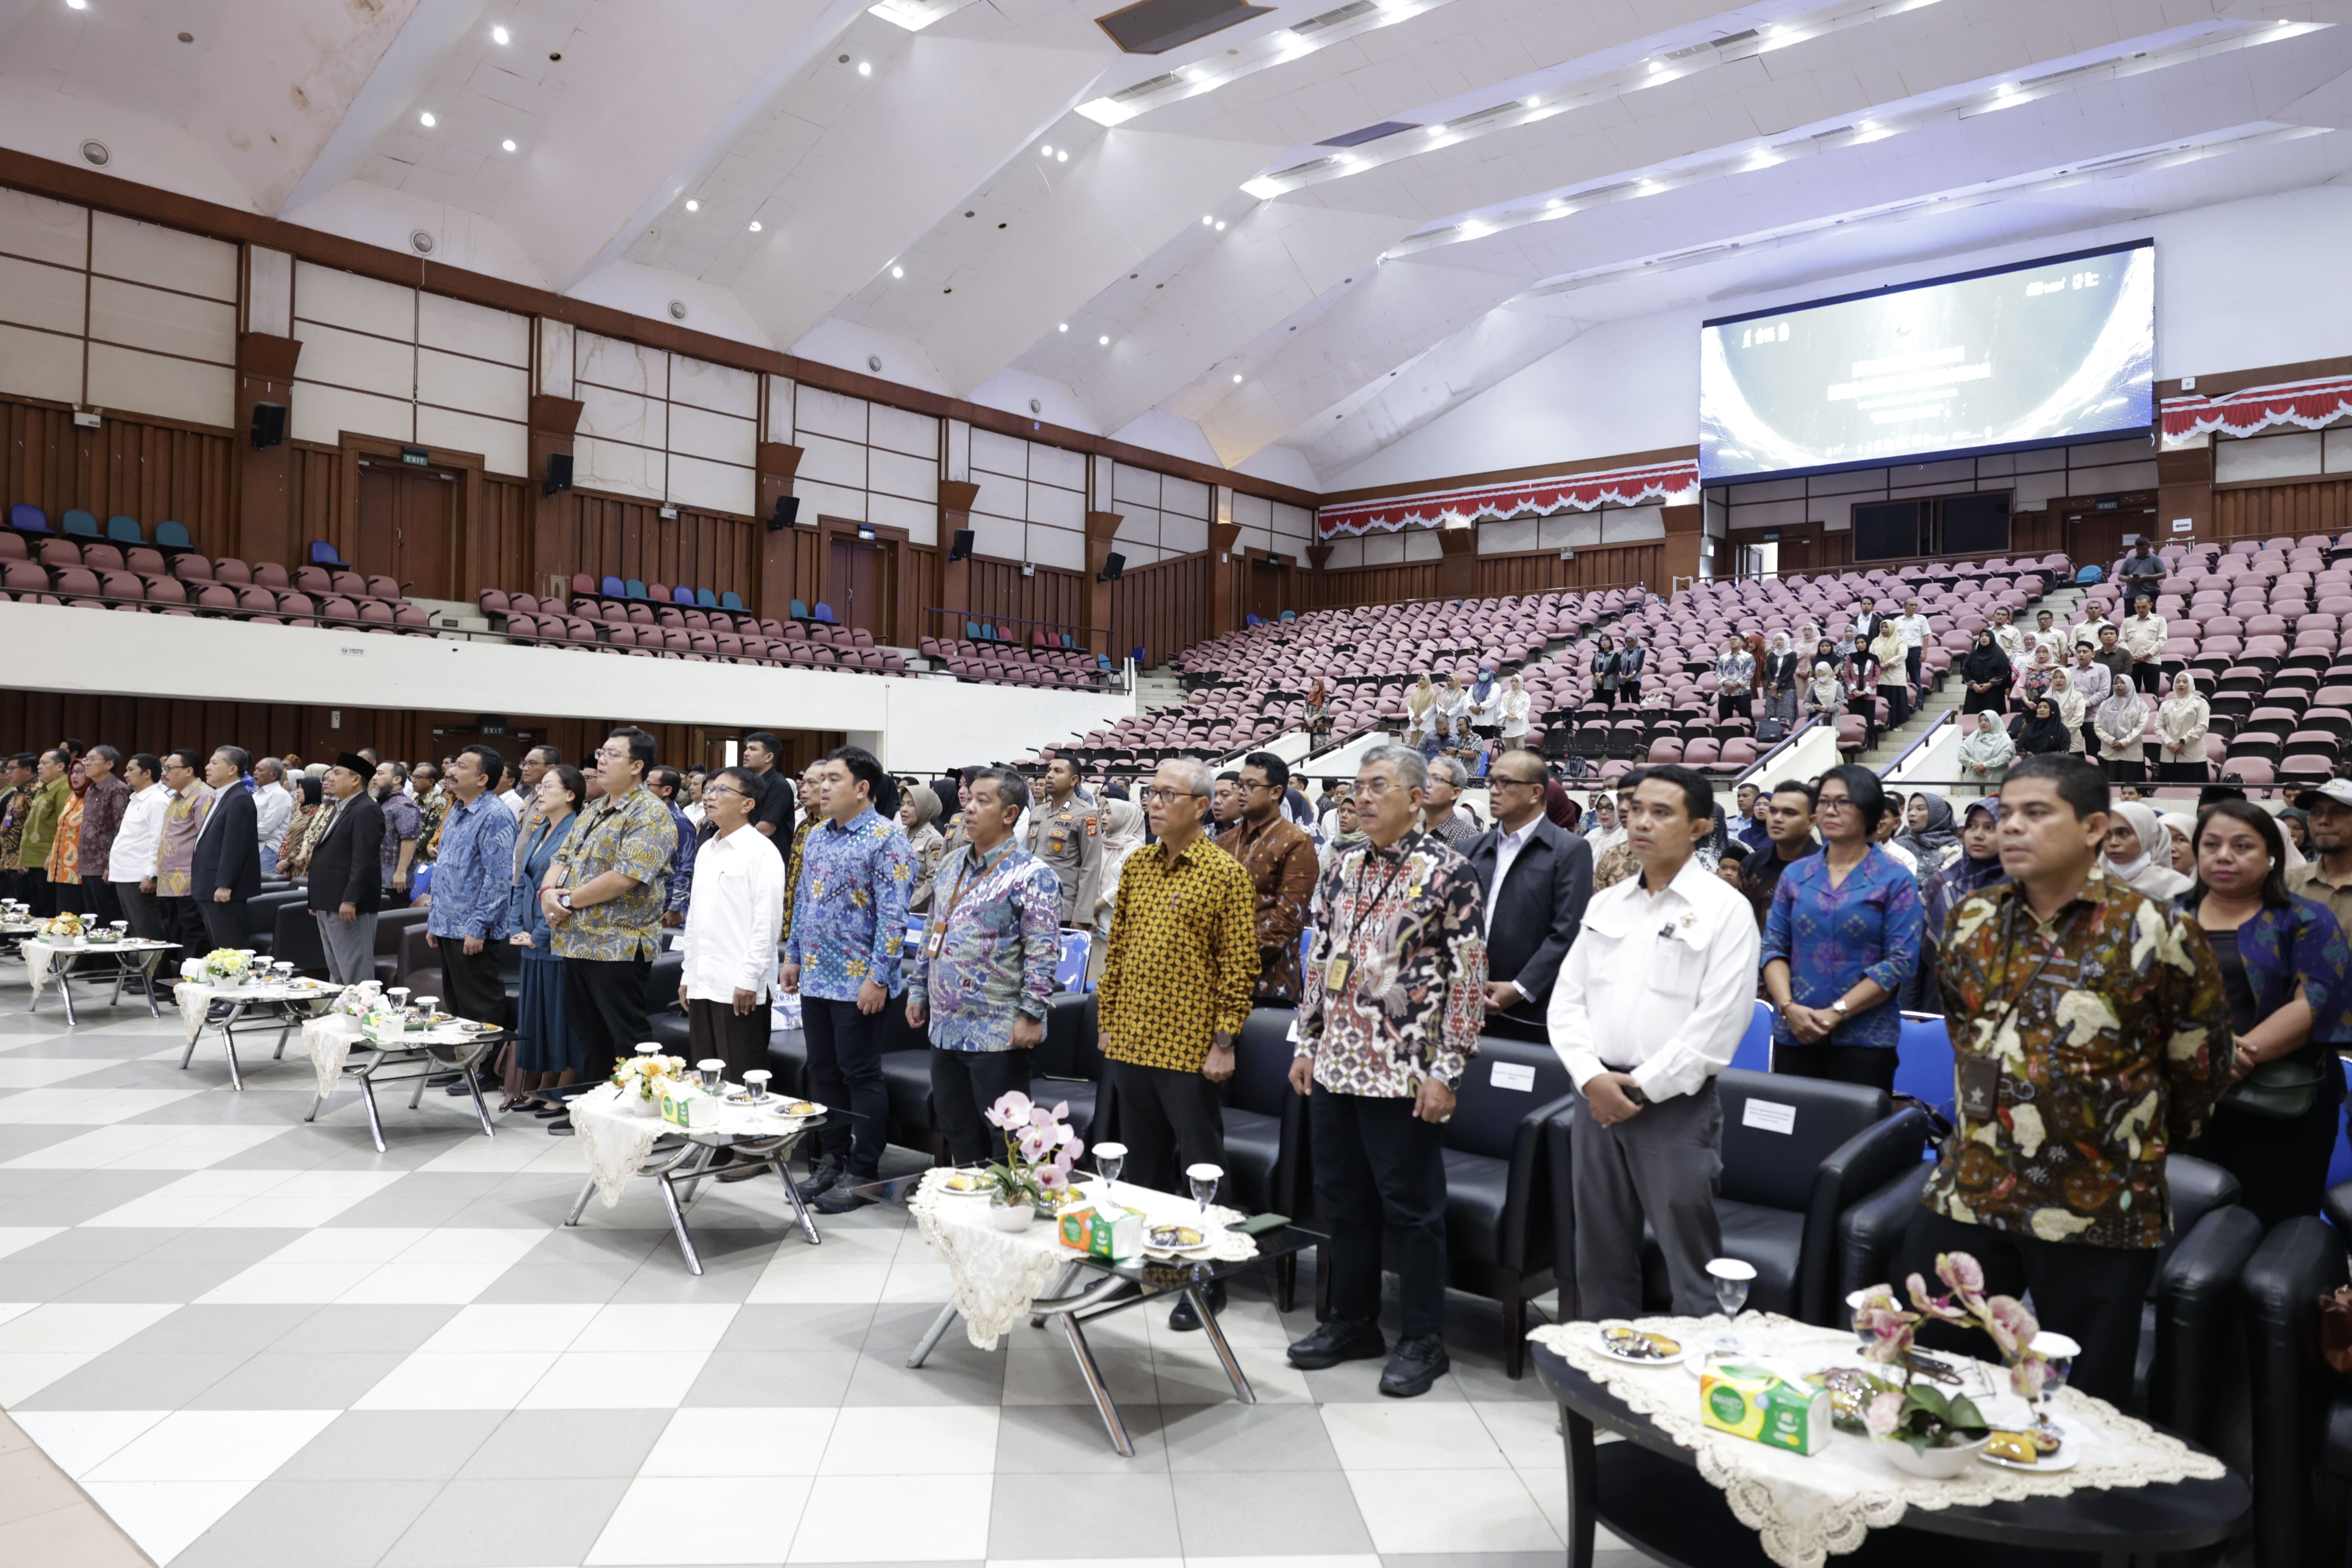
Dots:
pixel 295 939
pixel 261 915
pixel 2302 1412
pixel 1265 1130
pixel 1069 1065
pixel 664 1019
pixel 1498 1196
pixel 788 1061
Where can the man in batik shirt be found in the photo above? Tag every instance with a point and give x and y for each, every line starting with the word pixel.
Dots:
pixel 1396 986
pixel 986 964
pixel 2092 1035
pixel 1281 863
pixel 603 896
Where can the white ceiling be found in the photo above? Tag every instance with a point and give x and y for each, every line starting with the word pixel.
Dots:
pixel 1300 306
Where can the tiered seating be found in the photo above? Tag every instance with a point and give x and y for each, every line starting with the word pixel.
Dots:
pixel 137 578
pixel 641 628
pixel 2267 627
pixel 1005 663
pixel 629 590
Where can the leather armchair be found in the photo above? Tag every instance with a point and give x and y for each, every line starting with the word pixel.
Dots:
pixel 664 1019
pixel 1266 1131
pixel 906 1076
pixel 1069 1065
pixel 295 939
pixel 261 915
pixel 788 1060
pixel 2302 1413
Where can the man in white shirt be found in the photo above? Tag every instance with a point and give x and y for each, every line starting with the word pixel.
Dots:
pixel 273 808
pixel 2051 635
pixel 1913 626
pixel 1649 1006
pixel 2010 638
pixel 2093 683
pixel 131 864
pixel 732 916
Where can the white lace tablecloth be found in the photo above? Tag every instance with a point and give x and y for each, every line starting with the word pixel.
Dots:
pixel 196 998
pixel 617 1133
pixel 40 955
pixel 997 1274
pixel 1806 1509
pixel 329 1037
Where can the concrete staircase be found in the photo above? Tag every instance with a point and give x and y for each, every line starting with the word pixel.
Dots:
pixel 1157 688
pixel 2065 607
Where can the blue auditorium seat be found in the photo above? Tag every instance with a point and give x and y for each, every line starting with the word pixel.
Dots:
pixel 124 529
pixel 80 524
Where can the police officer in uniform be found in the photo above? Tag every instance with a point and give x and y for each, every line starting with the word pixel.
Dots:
pixel 1066 831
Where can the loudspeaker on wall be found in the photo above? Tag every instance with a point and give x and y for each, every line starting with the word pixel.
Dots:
pixel 559 473
pixel 959 546
pixel 269 425
pixel 788 510
pixel 1113 564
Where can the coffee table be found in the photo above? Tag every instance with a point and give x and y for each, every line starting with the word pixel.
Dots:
pixel 255 1006
pixel 60 957
pixel 1090 1288
pixel 414 1059
pixel 1648 1491
pixel 680 1159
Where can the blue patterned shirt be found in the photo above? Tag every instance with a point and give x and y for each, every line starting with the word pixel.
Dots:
pixel 1869 928
pixel 999 942
pixel 681 863
pixel 849 907
pixel 471 879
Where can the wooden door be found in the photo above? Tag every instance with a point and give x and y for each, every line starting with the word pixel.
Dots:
pixel 855 586
pixel 1267 583
pixel 406 519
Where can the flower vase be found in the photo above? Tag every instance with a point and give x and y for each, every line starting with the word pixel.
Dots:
pixel 1935 1464
pixel 1011 1217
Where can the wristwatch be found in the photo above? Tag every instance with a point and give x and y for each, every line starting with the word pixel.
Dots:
pixel 1838 1006
pixel 564 899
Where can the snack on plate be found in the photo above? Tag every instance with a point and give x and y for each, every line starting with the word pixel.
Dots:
pixel 1632 1344
pixel 801 1108
pixel 1165 1237
pixel 2017 1448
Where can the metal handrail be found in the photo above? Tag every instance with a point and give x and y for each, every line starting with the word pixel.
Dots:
pixel 1926 737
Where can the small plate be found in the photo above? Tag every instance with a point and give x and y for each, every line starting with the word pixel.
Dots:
pixel 2065 1459
pixel 1670 1351
pixel 968 1185
pixel 790 1110
pixel 1171 1238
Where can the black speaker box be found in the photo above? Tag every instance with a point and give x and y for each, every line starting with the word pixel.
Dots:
pixel 960 547
pixel 559 473
pixel 787 512
pixel 1113 564
pixel 269 425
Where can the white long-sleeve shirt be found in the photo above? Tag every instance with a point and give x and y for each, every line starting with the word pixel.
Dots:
pixel 273 808
pixel 132 858
pixel 732 916
pixel 1658 986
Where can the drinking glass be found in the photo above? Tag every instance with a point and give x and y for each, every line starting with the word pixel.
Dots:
pixel 1204 1179
pixel 648 1047
pixel 1732 1277
pixel 714 1073
pixel 1110 1160
pixel 2059 1352
pixel 425 1004
pixel 755 1084
pixel 398 996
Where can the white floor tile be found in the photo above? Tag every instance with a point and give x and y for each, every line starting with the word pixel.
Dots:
pixel 545 1326
pixel 867 1518
pixel 79 1440
pixel 350 1244
pixel 816 1283
pixel 16 1238
pixel 617 1380
pixel 1473 1511
pixel 1527 1431
pixel 214 1445
pixel 676 1519
pixel 1343 1560
pixel 443 1284
pixel 287 1283
pixel 486 1380
pixel 741 1442
pixel 897 1440
pixel 24 1373
pixel 1412 1434
pixel 92 1326
pixel 632 1326
pixel 85 1107
pixel 193 1200
pixel 1114 1562
pixel 466 1244
pixel 15 1309
pixel 165 1517
pixel 42 1072
pixel 917 1281
pixel 141 1146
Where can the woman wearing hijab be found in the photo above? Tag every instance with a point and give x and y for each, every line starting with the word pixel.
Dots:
pixel 2283 960
pixel 2181 720
pixel 1930 832
pixel 64 865
pixel 294 847
pixel 919 811
pixel 2069 704
pixel 1986 752
pixel 1735 679
pixel 2295 823
pixel 1561 806
pixel 1780 682
pixel 1987 671
pixel 2035 681
pixel 1824 694
pixel 2182 828
pixel 1318 714
pixel 1602 832
pixel 2122 722
pixel 1450 720
pixel 1419 713
pixel 2139 852
pixel 1894 661
pixel 2044 730
pixel 1122 834
pixel 1974 869
pixel 545 1054
pixel 1513 710
pixel 1349 834
pixel 1486 704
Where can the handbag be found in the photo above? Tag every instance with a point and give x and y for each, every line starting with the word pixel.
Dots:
pixel 2277 1091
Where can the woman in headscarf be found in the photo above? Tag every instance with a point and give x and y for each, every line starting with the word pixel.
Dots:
pixel 2181 828
pixel 1450 718
pixel 1513 711
pixel 1987 671
pixel 1604 672
pixel 2181 720
pixel 1825 693
pixel 1485 702
pixel 2139 852
pixel 2068 702
pixel 1420 711
pixel 1886 651
pixel 1826 652
pixel 1986 752
pixel 1318 714
pixel 1560 805
pixel 1347 831
pixel 294 848
pixel 2295 823
pixel 1602 832
pixel 1780 682
pixel 2122 722
pixel 1974 869
pixel 2032 684
pixel 1122 834
pixel 1930 831
pixel 919 811
pixel 64 865
pixel 2044 730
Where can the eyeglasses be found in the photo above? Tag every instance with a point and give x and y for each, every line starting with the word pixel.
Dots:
pixel 1497 781
pixel 1834 803
pixel 608 754
pixel 709 790
pixel 1151 793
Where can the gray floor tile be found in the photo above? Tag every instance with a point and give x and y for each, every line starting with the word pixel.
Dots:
pixel 142 1279
pixel 555 1444
pixel 1284 1514
pixel 955 1374
pixel 374 1446
pixel 365 1328
pixel 420 1198
pixel 21 1281
pixel 1261 1438
pixel 497 1524
pixel 94 1244
pixel 732 1262
pixel 205 1327
pixel 274 1380
pixel 79 1196
pixel 1621 1559
pixel 1123 1516
pixel 1070 1439
pixel 312 1524
pixel 774 1377
pixel 776 1327
pixel 31 1137
pixel 119 1382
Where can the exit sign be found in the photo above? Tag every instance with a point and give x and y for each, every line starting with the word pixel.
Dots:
pixel 416 457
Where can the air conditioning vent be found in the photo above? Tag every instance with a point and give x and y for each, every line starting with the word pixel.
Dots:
pixel 1370 134
pixel 1145 88
pixel 1300 171
pixel 1155 27
pixel 1728 39
pixel 1347 13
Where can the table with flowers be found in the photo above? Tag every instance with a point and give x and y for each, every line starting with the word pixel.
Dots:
pixel 393 1044
pixel 54 949
pixel 256 996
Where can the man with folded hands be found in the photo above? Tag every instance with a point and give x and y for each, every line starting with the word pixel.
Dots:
pixel 727 945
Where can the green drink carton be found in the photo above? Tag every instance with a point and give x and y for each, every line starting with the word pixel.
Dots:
pixel 1765 1405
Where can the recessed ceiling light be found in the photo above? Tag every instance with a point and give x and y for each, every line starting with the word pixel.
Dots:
pixel 1437 130
pixel 1062 157
pixel 864 68
pixel 508 144
pixel 497 35
pixel 2006 89
pixel 1237 381
pixel 897 272
pixel 1221 228
pixel 1065 327
pixel 1531 101
pixel 1207 220
pixel 78 4
pixel 426 119
pixel 1104 340
pixel 1556 201
pixel 1657 66
pixel 755 225
pixel 692 205
pixel 1046 150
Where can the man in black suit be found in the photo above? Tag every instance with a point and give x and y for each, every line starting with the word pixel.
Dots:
pixel 347 871
pixel 227 871
pixel 1536 876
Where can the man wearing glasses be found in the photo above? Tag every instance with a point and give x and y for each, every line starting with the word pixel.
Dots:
pixel 603 896
pixel 1535 878
pixel 729 942
pixel 467 922
pixel 1280 860
pixel 1065 833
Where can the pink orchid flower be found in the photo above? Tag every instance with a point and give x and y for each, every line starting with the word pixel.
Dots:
pixel 1938 1307
pixel 1964 1274
pixel 2013 1328
pixel 1011 1110
pixel 1883 1413
pixel 2027 1374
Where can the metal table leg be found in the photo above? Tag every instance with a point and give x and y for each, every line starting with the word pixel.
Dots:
pixel 1216 1337
pixel 792 1191
pixel 677 1223
pixel 367 1099
pixel 147 975
pixel 482 1112
pixel 1096 1386
pixel 1577 1434
pixel 933 1335
pixel 580 1205
pixel 1062 1283
pixel 61 966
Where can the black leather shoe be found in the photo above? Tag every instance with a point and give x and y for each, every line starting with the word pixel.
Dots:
pixel 1416 1364
pixel 1185 1319
pixel 844 1197
pixel 1335 1341
pixel 822 1178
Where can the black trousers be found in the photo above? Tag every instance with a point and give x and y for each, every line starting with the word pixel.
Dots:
pixel 470 986
pixel 2123 769
pixel 2090 741
pixel 1740 707
pixel 964 1085
pixel 2148 675
pixel 740 1040
pixel 1168 1119
pixel 39 893
pixel 140 910
pixel 2281 1165
pixel 2183 772
pixel 1629 691
pixel 223 925
pixel 183 925
pixel 2090 1294
pixel 1898 703
pixel 1912 659
pixel 69 898
pixel 97 900
pixel 604 1008
pixel 1379 1173
pixel 1872 1066
pixel 845 1068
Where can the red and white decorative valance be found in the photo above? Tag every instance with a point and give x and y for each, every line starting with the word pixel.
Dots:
pixel 1676 484
pixel 2309 404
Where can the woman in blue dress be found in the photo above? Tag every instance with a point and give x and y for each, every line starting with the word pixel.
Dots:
pixel 544 1054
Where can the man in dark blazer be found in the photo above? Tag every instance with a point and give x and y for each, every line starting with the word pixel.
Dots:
pixel 347 871
pixel 227 868
pixel 1537 878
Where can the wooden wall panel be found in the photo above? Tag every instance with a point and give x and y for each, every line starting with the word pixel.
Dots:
pixel 1543 571
pixel 1374 585
pixel 2306 506
pixel 1055 596
pixel 1162 608
pixel 624 537
pixel 153 471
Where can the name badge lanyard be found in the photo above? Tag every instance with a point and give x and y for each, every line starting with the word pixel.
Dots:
pixel 937 937
pixel 1335 973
